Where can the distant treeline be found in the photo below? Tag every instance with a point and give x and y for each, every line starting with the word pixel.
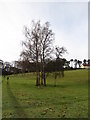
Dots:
pixel 26 66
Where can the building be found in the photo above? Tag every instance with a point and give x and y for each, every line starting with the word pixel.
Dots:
pixel 86 66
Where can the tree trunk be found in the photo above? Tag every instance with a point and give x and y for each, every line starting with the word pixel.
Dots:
pixel 37 66
pixel 44 81
pixel 37 76
pixel 44 69
pixel 36 79
pixel 44 77
pixel 36 72
pixel 41 78
pixel 41 72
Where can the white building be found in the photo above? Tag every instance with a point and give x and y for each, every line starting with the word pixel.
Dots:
pixel 86 66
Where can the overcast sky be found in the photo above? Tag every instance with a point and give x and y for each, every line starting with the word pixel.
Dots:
pixel 69 22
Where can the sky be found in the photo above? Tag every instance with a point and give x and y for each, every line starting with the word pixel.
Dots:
pixel 68 20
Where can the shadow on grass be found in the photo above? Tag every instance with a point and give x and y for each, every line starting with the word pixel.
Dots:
pixel 26 85
pixel 19 111
pixel 58 86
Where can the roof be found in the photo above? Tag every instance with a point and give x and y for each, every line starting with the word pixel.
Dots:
pixel 86 64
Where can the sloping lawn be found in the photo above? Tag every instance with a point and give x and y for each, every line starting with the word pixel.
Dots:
pixel 69 99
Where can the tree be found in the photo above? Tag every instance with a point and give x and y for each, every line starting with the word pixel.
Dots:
pixel 6 68
pixel 67 64
pixel 1 66
pixel 84 61
pixel 59 63
pixel 71 63
pixel 79 63
pixel 89 61
pixel 75 61
pixel 31 46
pixel 60 51
pixel 37 47
pixel 47 37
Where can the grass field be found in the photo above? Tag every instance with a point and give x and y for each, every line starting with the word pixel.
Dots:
pixel 69 99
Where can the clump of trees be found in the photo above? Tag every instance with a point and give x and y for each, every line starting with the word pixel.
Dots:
pixel 40 56
pixel 38 47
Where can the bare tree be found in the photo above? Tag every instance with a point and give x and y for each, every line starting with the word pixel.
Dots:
pixel 60 51
pixel 37 47
pixel 31 46
pixel 59 63
pixel 47 37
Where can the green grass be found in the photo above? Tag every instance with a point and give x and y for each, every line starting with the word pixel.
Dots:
pixel 69 99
